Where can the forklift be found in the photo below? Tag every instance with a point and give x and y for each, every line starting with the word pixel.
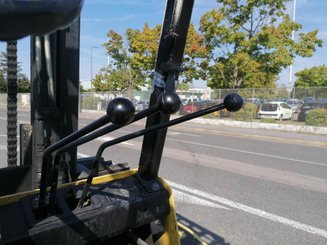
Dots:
pixel 51 197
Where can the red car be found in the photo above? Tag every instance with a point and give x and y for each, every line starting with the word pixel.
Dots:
pixel 196 106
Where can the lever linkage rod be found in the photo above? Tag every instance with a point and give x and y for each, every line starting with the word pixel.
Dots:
pixel 232 102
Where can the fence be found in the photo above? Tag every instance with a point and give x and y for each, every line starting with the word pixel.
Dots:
pixel 314 93
pixel 99 100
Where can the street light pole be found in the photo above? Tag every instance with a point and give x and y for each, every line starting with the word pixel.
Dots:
pixel 92 66
pixel 291 66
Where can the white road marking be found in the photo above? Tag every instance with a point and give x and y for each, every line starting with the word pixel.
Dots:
pixel 179 133
pixel 248 209
pixel 107 138
pixel 249 152
pixel 190 199
pixel 79 154
pixel 177 188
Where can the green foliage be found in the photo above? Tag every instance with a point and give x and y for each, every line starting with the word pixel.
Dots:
pixel 23 83
pixel 116 49
pixel 316 117
pixel 113 79
pixel 139 53
pixel 247 113
pixel 3 83
pixel 249 43
pixel 316 76
pixel 81 88
pixel 183 86
pixel 143 46
pixel 122 74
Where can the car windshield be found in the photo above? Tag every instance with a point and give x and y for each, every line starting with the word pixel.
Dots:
pixel 292 102
pixel 269 107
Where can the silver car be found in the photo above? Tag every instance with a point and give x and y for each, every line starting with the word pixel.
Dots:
pixel 141 105
pixel 295 104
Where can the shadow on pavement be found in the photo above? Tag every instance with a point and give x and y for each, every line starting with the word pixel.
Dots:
pixel 208 236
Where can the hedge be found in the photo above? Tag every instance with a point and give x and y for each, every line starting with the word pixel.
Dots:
pixel 316 117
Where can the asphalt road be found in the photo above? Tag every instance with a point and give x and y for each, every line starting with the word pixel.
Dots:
pixel 234 186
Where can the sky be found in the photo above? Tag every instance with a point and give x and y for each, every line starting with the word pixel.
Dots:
pixel 99 16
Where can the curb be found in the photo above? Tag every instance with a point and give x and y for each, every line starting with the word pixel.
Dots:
pixel 270 126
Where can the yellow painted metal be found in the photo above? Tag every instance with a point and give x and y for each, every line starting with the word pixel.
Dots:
pixel 192 233
pixel 4 200
pixel 171 235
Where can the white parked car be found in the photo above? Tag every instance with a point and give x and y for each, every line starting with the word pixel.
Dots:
pixel 276 110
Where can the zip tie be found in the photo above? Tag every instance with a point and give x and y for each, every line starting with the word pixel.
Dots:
pixel 158 80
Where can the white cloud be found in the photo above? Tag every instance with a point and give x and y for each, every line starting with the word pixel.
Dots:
pixel 85 19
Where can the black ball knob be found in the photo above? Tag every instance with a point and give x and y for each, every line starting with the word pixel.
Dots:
pixel 120 111
pixel 169 102
pixel 233 102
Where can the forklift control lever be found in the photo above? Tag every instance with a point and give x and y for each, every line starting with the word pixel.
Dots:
pixel 120 111
pixel 232 102
pixel 168 103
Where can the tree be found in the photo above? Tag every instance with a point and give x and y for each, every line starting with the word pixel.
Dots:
pixel 143 47
pixel 315 76
pixel 23 83
pixel 250 42
pixel 139 53
pixel 114 79
pixel 120 75
pixel 81 88
pixel 183 86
